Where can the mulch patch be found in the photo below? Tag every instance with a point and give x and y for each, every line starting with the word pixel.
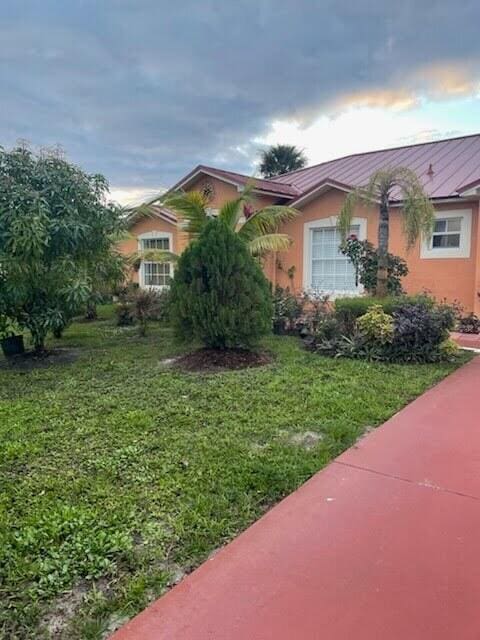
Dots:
pixel 31 360
pixel 213 360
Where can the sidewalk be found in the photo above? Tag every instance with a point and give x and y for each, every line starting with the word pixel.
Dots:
pixel 383 544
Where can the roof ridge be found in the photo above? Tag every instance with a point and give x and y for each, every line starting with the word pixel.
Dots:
pixel 244 175
pixel 365 153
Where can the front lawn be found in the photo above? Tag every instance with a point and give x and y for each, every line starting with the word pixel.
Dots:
pixel 118 474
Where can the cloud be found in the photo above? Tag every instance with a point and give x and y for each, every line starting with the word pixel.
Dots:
pixel 142 90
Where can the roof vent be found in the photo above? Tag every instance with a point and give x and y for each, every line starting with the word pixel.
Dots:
pixel 430 171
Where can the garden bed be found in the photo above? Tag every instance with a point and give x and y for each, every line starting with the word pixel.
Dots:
pixel 119 475
pixel 215 360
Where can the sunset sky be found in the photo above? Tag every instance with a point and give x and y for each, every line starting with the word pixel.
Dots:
pixel 143 90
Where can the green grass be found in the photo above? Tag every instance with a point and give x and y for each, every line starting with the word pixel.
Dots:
pixel 117 472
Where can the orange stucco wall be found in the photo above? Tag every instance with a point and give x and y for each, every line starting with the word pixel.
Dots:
pixel 456 279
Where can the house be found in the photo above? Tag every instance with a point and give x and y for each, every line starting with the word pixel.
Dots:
pixel 448 265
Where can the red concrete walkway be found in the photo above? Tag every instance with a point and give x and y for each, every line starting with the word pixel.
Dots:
pixel 383 544
pixel 467 340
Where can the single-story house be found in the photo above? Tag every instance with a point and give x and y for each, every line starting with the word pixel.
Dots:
pixel 448 265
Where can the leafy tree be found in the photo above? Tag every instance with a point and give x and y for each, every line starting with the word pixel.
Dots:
pixel 417 212
pixel 219 294
pixel 56 227
pixel 106 275
pixel 281 158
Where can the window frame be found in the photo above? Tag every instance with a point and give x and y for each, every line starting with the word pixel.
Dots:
pixel 154 235
pixel 308 228
pixel 428 252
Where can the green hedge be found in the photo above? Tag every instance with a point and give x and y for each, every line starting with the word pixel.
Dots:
pixel 348 310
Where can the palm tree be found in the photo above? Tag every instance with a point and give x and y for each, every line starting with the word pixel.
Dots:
pixel 418 212
pixel 259 229
pixel 281 158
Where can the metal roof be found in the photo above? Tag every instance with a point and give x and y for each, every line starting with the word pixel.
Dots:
pixel 455 164
pixel 260 184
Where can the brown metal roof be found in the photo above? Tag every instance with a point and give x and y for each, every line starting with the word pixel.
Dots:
pixel 454 162
pixel 260 184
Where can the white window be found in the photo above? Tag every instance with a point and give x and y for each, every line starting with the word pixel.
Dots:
pixel 450 237
pixel 155 274
pixel 326 268
pixel 155 243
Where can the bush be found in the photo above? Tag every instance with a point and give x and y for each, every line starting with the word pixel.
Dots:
pixel 145 307
pixel 376 326
pixel 349 309
pixel 287 308
pixel 125 315
pixel 416 331
pixel 219 293
pixel 469 324
pixel 364 258
pixel 448 349
pixel 419 331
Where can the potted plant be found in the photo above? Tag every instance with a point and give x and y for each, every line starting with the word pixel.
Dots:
pixel 10 341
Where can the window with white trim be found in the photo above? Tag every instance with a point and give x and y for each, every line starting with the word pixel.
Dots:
pixel 331 270
pixel 156 274
pixel 451 237
pixel 155 243
pixel 153 273
pixel 446 233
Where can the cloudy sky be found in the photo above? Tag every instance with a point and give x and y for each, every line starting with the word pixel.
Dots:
pixel 143 90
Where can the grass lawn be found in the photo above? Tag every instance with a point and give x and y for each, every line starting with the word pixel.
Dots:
pixel 119 474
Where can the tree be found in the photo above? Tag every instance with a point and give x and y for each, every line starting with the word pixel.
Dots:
pixel 219 294
pixel 55 228
pixel 258 229
pixel 417 212
pixel 281 158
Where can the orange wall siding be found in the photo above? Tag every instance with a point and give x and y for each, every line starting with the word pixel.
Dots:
pixel 456 279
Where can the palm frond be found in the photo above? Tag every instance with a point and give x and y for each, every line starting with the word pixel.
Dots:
pixel 269 242
pixel 190 207
pixel 266 221
pixel 151 255
pixel 346 213
pixel 232 211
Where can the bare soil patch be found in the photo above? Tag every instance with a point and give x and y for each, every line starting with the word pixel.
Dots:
pixel 213 360
pixel 32 360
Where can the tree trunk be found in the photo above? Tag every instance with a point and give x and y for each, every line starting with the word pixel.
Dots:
pixel 91 310
pixel 383 232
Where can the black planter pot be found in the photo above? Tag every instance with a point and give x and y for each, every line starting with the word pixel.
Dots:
pixel 12 346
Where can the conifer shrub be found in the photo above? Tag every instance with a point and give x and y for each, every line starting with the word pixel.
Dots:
pixel 219 294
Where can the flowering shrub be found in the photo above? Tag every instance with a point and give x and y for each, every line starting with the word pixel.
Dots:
pixel 364 258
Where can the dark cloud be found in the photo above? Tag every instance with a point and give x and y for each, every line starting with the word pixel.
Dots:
pixel 143 90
